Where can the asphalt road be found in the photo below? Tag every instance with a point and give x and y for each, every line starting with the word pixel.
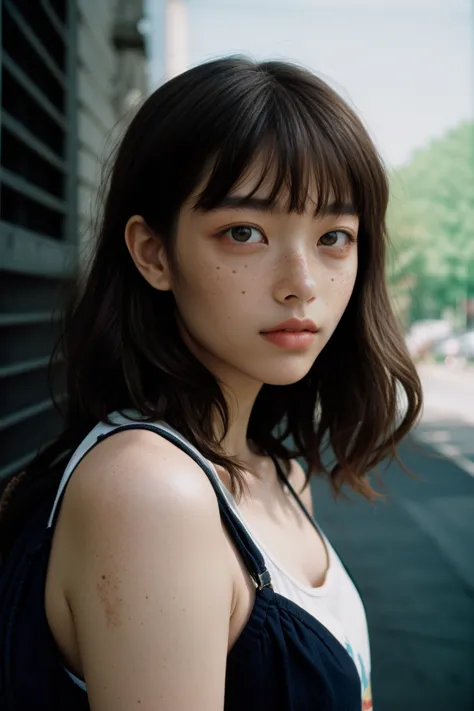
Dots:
pixel 412 556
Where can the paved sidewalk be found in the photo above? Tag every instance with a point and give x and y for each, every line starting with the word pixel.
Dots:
pixel 413 560
pixel 448 393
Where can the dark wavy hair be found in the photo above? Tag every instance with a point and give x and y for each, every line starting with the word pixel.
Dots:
pixel 121 348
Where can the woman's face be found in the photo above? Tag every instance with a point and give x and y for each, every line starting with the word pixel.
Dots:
pixel 243 270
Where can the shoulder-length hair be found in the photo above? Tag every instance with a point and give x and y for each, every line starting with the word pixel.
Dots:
pixel 121 347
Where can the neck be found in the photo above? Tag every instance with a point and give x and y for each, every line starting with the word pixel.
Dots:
pixel 240 399
pixel 240 393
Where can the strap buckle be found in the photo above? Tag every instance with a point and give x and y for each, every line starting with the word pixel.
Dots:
pixel 264 580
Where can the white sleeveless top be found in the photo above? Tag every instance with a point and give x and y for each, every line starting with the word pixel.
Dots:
pixel 336 603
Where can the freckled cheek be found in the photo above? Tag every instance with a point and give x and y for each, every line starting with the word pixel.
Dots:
pixel 216 287
pixel 346 284
pixel 341 287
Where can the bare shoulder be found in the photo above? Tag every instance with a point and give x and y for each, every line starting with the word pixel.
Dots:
pixel 136 490
pixel 297 478
pixel 138 468
pixel 148 571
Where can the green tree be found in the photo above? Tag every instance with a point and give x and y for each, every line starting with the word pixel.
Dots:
pixel 431 224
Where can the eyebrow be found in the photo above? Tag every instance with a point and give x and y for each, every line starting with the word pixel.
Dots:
pixel 266 205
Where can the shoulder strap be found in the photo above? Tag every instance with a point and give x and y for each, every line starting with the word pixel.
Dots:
pixel 251 555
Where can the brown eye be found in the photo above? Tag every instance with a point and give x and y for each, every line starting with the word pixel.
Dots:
pixel 244 234
pixel 330 239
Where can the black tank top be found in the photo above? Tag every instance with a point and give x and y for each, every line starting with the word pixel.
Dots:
pixel 284 659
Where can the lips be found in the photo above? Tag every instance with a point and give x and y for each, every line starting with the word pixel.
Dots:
pixel 294 325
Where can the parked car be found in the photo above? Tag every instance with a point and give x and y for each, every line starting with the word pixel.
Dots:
pixel 424 333
pixel 449 346
pixel 456 346
pixel 467 345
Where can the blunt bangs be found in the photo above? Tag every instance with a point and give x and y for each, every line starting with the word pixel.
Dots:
pixel 297 151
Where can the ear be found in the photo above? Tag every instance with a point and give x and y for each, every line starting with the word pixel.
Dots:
pixel 148 253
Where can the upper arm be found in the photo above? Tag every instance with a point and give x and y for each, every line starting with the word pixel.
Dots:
pixel 150 587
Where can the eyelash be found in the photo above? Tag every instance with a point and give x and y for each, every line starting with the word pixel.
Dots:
pixel 351 238
pixel 223 233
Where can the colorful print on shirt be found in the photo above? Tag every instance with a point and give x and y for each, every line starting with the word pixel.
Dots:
pixel 364 678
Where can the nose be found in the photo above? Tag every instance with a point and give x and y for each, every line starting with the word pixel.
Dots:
pixel 296 281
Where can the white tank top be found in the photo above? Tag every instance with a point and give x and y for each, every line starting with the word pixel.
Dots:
pixel 336 603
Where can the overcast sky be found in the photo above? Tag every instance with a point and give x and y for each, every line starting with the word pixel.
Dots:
pixel 406 65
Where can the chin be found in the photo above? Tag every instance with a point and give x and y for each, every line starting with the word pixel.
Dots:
pixel 286 374
pixel 283 380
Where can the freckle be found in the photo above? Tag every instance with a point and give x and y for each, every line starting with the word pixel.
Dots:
pixel 245 266
pixel 243 292
pixel 146 597
pixel 110 602
pixel 332 278
pixel 217 267
pixel 233 271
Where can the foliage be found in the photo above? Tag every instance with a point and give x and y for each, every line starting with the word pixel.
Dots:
pixel 431 225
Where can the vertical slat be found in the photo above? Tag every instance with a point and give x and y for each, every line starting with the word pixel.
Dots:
pixel 34 41
pixel 54 19
pixel 1 110
pixel 72 110
pixel 29 292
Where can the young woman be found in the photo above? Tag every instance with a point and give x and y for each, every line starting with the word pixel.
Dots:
pixel 234 319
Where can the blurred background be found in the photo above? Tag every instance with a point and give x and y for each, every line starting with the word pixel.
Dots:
pixel 73 72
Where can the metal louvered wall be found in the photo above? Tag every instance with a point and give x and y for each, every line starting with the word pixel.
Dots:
pixel 38 251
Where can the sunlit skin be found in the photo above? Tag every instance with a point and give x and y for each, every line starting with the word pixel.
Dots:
pixel 241 270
